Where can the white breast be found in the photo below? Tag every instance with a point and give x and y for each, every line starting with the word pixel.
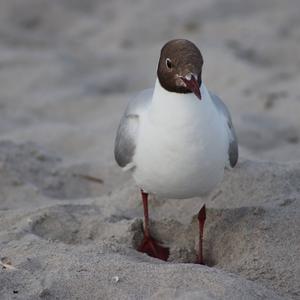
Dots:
pixel 182 145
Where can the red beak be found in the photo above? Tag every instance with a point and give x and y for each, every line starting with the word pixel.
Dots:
pixel 193 85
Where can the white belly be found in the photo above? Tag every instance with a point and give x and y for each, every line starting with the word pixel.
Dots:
pixel 181 158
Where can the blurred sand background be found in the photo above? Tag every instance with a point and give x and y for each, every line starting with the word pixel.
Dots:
pixel 67 70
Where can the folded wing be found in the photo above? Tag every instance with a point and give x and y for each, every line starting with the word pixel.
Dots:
pixel 125 142
pixel 233 151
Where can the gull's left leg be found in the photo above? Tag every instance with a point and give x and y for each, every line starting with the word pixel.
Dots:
pixel 201 220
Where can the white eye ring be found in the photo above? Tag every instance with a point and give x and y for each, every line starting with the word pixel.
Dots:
pixel 168 63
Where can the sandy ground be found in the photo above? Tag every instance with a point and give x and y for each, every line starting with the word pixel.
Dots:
pixel 67 70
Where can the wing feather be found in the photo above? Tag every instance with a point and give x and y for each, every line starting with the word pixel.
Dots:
pixel 233 150
pixel 125 142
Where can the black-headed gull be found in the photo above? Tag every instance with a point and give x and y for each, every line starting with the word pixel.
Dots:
pixel 177 138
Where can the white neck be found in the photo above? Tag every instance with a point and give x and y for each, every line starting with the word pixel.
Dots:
pixel 177 106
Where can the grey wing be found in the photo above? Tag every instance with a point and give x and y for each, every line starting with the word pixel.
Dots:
pixel 125 142
pixel 233 151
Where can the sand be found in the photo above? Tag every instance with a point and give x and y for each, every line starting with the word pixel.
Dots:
pixel 67 71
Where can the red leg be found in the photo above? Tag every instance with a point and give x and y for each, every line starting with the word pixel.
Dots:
pixel 201 219
pixel 149 244
pixel 146 215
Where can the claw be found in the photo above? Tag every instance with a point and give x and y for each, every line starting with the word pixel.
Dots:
pixel 152 248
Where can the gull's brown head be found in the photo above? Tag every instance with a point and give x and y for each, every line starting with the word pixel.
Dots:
pixel 180 67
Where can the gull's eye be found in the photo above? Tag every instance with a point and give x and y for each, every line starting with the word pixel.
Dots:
pixel 169 63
